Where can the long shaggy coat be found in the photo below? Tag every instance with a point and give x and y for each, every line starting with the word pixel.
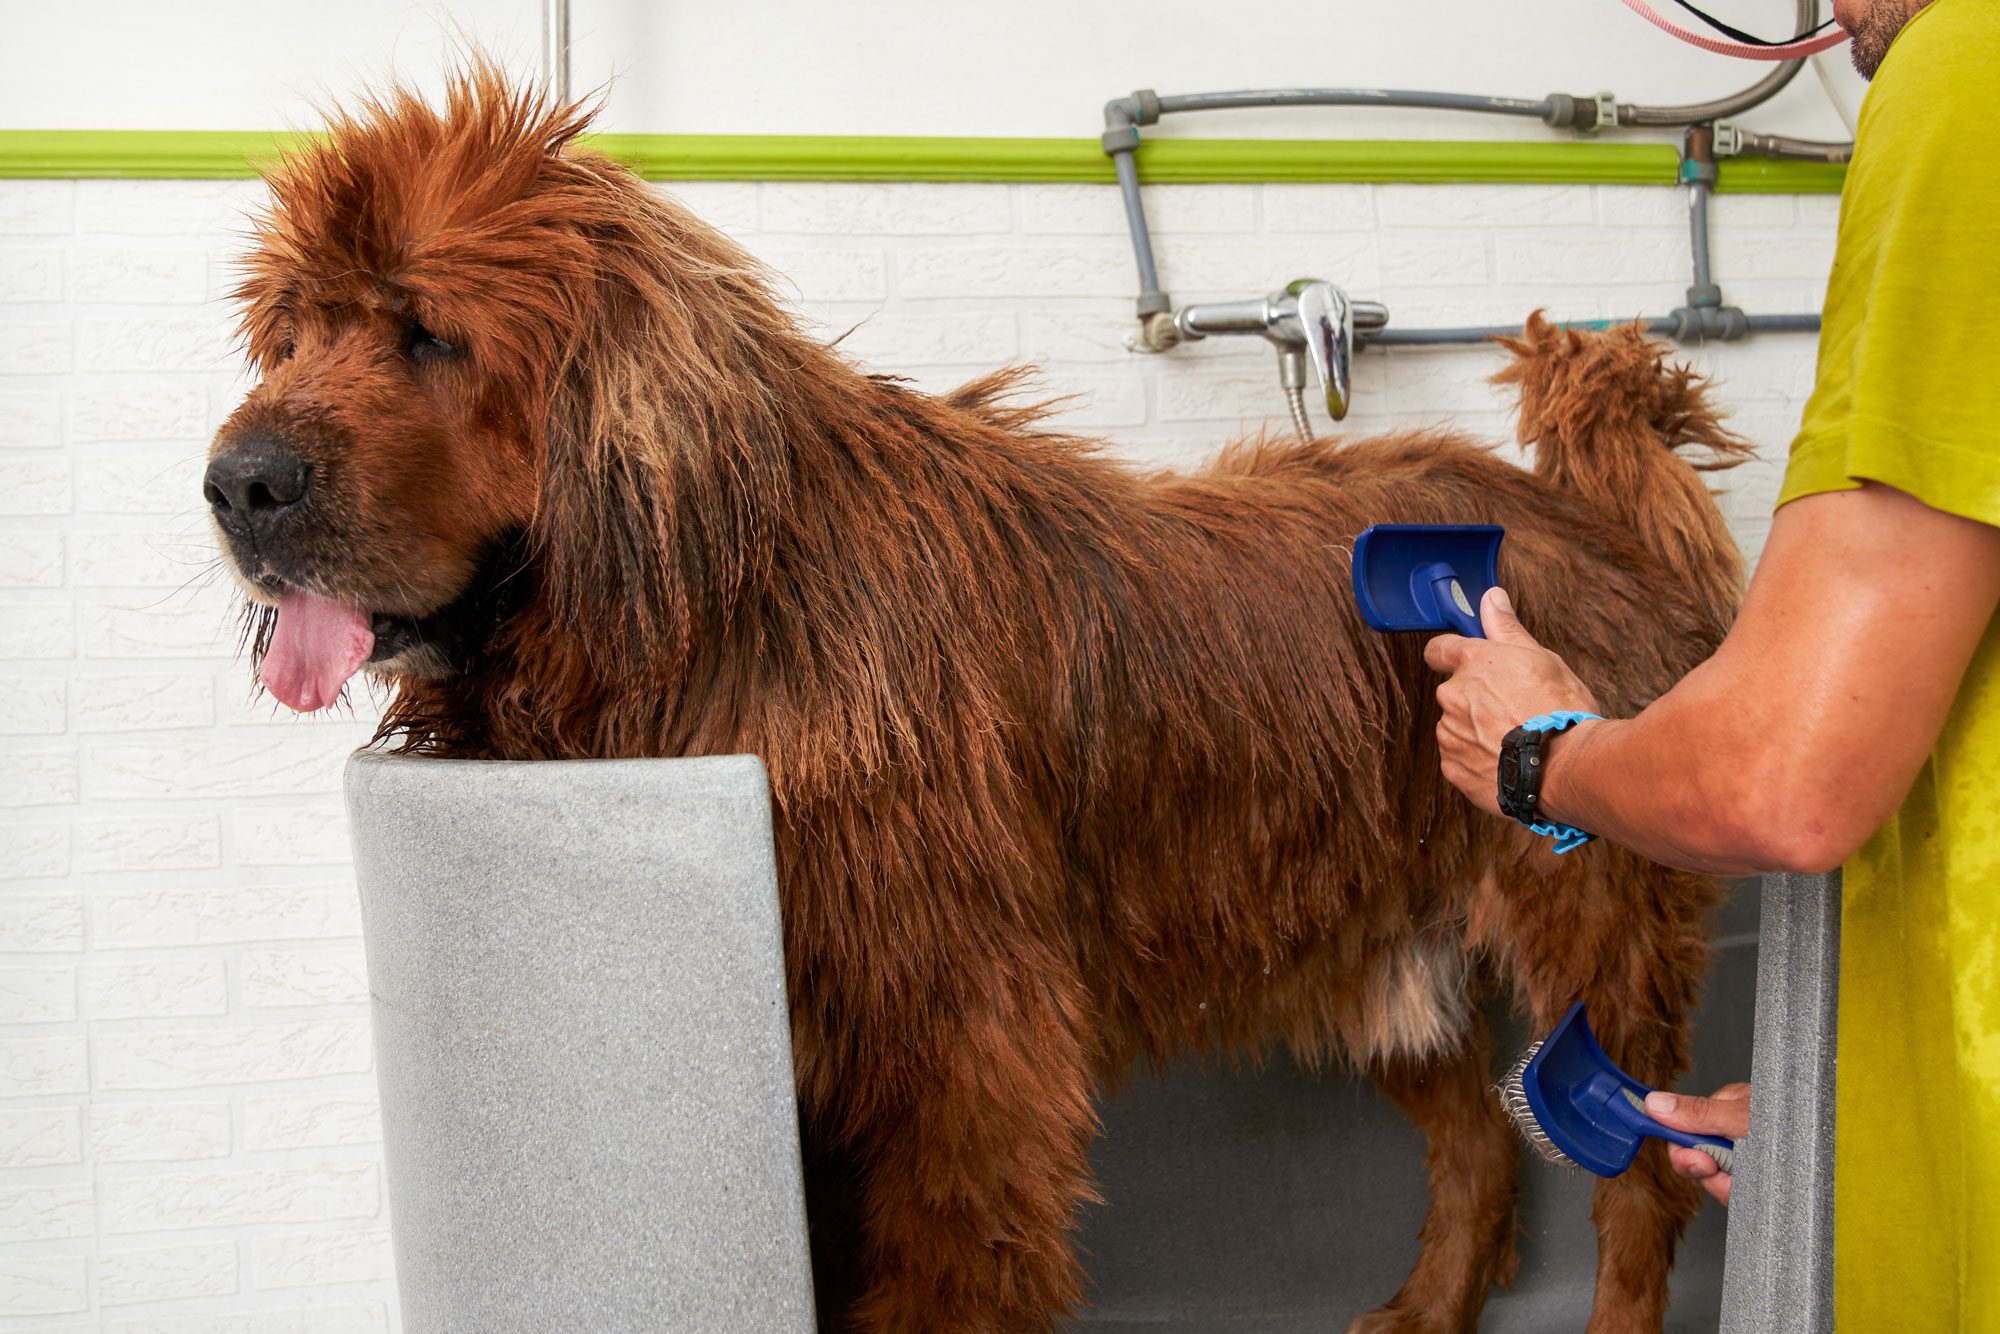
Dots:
pixel 1073 764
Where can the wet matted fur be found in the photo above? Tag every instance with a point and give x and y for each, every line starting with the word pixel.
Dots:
pixel 1073 764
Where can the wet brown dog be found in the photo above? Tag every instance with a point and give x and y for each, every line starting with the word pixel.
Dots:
pixel 1073 765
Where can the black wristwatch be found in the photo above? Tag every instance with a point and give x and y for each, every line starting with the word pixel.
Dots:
pixel 1523 757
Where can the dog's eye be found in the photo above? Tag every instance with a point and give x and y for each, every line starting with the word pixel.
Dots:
pixel 420 344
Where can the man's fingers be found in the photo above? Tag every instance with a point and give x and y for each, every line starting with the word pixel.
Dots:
pixel 1497 619
pixel 1726 1113
pixel 1446 652
pixel 1727 1116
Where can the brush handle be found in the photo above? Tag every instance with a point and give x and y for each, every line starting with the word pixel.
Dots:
pixel 1714 1146
pixel 1453 606
pixel 1721 1153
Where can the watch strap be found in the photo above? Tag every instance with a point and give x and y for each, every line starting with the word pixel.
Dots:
pixel 1567 838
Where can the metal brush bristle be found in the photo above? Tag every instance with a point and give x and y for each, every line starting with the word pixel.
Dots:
pixel 1513 1094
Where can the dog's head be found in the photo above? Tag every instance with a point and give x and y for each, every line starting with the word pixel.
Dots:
pixel 462 324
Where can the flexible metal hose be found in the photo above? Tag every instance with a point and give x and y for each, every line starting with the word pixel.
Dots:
pixel 1722 108
pixel 1778 145
pixel 1295 399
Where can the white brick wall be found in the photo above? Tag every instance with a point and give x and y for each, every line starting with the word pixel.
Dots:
pixel 189 1142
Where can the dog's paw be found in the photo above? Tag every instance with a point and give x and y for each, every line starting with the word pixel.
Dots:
pixel 1394 1319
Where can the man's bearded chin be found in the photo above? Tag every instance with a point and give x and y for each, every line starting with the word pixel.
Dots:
pixel 1875 29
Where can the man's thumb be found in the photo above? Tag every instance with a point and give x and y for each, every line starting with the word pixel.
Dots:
pixel 1684 1111
pixel 1497 619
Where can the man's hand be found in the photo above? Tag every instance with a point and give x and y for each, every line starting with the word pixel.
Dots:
pixel 1497 683
pixel 1725 1113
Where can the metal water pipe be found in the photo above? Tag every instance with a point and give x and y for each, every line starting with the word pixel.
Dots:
pixel 555 49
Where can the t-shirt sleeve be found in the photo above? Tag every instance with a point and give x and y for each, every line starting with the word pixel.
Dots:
pixel 1922 371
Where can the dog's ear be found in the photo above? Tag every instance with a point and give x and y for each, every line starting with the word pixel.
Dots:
pixel 606 528
pixel 664 437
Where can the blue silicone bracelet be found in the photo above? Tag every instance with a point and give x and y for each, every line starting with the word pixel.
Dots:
pixel 1567 838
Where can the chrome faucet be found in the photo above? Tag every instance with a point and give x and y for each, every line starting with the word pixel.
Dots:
pixel 1310 321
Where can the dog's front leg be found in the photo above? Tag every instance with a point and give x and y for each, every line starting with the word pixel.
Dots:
pixel 946 1051
pixel 976 1154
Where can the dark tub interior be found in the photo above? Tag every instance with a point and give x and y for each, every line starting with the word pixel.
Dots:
pixel 1280 1201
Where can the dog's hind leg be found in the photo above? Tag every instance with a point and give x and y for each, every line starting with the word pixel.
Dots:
pixel 1628 939
pixel 1641 1215
pixel 978 1159
pixel 1473 1158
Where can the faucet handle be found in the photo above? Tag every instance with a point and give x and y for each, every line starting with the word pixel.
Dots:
pixel 1326 317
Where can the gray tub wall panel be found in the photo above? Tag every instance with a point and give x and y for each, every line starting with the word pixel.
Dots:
pixel 1780 1271
pixel 583 1045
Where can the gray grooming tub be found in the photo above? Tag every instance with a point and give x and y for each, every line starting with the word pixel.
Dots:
pixel 580 1024
pixel 583 1045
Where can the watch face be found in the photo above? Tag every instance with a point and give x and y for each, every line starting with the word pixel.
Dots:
pixel 1520 774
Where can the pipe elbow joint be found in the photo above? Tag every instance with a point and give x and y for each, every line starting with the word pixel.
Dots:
pixel 1139 108
pixel 1157 330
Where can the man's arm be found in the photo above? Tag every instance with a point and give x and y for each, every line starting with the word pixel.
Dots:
pixel 1799 738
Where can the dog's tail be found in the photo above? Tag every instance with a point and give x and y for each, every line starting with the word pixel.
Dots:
pixel 1606 412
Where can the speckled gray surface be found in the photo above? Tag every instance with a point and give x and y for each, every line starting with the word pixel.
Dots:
pixel 582 1045
pixel 1780 1270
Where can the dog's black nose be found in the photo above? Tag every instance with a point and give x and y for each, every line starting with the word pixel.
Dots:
pixel 253 484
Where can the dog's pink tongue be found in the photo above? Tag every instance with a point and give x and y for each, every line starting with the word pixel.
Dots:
pixel 315 647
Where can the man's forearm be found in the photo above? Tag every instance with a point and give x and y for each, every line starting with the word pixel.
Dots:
pixel 1652 784
pixel 1801 735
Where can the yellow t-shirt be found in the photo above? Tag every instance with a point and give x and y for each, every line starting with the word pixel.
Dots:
pixel 1908 394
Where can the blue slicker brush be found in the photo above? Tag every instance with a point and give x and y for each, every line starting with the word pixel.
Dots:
pixel 1426 576
pixel 1576 1108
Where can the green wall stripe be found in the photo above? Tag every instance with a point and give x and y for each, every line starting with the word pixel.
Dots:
pixel 1780 176
pixel 1405 160
pixel 805 157
pixel 192 154
pixel 756 157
